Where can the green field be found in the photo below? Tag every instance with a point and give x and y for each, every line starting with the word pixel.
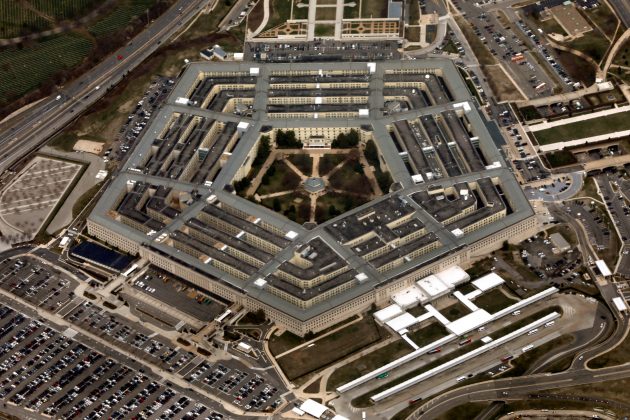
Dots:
pixel 65 9
pixel 16 20
pixel 332 347
pixel 25 69
pixel 120 17
pixel 582 129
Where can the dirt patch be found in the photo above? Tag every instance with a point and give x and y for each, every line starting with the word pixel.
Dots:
pixel 500 84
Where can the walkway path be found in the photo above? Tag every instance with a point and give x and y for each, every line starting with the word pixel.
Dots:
pixel 264 21
pixel 615 49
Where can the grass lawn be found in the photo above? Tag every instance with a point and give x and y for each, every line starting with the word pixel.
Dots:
pixel 615 390
pixel 560 158
pixel 428 334
pixel 368 363
pixel 295 206
pixel 604 18
pixel 578 68
pixel 300 12
pixel 340 203
pixel 623 55
pixel 524 361
pixel 83 201
pixel 63 141
pixel 328 162
pixel 331 348
pixel 303 162
pixel 500 84
pixel 617 356
pixel 348 179
pixel 324 29
pixel 282 178
pixel 455 311
pixel 279 12
pixel 465 411
pixel 412 34
pixel 351 12
pixel 493 301
pixel 325 13
pixel 373 9
pixel 582 129
pixel 593 44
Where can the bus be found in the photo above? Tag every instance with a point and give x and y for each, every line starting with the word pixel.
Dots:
pixel 466 341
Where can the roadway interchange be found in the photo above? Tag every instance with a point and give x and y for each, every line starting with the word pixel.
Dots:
pixel 32 127
pixel 520 388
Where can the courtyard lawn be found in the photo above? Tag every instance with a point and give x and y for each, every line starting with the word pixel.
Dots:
pixel 303 162
pixel 349 179
pixel 279 177
pixel 588 128
pixel 328 162
pixel 493 301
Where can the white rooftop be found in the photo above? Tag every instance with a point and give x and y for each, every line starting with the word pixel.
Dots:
pixel 603 268
pixel 453 276
pixel 409 297
pixel 387 313
pixel 291 235
pixel 339 417
pixel 620 304
pixel 469 322
pixel 313 408
pixel 488 282
pixel 401 322
pixel 432 286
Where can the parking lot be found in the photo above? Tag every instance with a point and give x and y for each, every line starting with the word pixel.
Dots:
pixel 49 372
pixel 248 390
pixel 139 118
pixel 44 287
pixel 322 50
pixel 593 221
pixel 614 189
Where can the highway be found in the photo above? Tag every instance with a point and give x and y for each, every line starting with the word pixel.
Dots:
pixel 31 128
pixel 517 388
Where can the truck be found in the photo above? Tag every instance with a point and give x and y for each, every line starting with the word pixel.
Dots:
pixel 527 348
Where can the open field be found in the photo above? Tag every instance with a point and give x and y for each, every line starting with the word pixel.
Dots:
pixel 617 356
pixel 27 68
pixel 279 12
pixel 17 20
pixel 331 348
pixel 582 129
pixel 500 84
pixel 124 13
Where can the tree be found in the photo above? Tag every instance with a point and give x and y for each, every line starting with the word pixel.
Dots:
pixel 276 204
pixel 346 141
pixel 371 153
pixel 287 140
pixel 263 152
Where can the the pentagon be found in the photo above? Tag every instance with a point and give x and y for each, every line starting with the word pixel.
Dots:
pixel 443 196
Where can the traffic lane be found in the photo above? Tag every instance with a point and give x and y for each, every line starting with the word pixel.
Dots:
pixel 56 120
pixel 517 388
